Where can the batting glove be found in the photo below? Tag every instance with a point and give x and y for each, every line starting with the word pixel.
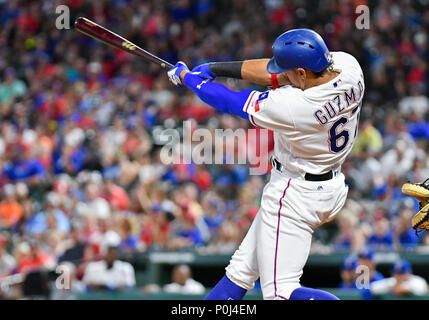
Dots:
pixel 174 73
pixel 204 72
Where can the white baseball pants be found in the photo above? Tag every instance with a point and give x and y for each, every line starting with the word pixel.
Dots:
pixel 278 242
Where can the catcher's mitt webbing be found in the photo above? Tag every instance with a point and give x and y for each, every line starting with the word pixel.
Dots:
pixel 420 191
pixel 421 220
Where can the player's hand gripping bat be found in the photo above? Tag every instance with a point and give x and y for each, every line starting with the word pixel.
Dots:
pixel 112 39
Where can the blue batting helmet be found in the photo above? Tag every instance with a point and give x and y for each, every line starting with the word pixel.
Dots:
pixel 299 48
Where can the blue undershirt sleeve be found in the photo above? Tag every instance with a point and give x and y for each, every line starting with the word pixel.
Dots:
pixel 218 96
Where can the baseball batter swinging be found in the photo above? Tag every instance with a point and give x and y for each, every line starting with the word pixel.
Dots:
pixel 313 110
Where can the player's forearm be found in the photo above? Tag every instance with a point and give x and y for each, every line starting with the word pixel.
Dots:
pixel 254 71
pixel 217 95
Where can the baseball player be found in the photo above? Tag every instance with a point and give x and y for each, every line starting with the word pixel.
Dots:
pixel 313 110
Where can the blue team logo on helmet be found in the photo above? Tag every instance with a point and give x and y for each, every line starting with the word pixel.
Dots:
pixel 299 48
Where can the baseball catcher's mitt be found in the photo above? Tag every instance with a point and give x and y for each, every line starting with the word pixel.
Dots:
pixel 420 191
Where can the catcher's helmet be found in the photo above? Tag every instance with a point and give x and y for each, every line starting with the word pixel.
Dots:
pixel 299 48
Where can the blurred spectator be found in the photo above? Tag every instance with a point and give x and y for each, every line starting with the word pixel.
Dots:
pixel 110 273
pixel 24 166
pixel 186 234
pixel 402 282
pixel 30 257
pixel 369 139
pixel 225 241
pixel 366 258
pixel 398 160
pixel 347 222
pixel 52 218
pixel 117 196
pixel 368 273
pixel 183 282
pixel 405 235
pixel 11 210
pixel 130 240
pixel 416 102
pixel 382 238
pixel 95 204
pixel 7 261
pixel 348 273
pixel 75 250
pixel 11 87
pixel 92 252
pixel 156 227
pixel 213 215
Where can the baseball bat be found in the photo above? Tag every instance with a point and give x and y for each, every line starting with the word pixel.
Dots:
pixel 93 30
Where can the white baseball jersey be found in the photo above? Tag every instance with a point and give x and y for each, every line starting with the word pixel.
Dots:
pixel 314 129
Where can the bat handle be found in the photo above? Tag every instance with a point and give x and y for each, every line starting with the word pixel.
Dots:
pixel 166 65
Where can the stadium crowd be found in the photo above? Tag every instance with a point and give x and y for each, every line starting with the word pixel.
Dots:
pixel 80 123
